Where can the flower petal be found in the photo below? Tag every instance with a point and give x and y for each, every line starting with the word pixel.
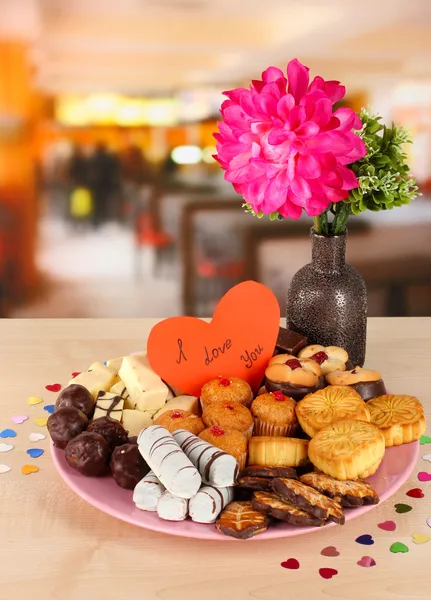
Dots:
pixel 285 105
pixel 350 181
pixel 307 130
pixel 298 78
pixel 272 74
pixel 322 111
pixel 308 166
pixel 300 186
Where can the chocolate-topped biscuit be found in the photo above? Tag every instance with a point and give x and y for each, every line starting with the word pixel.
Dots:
pixel 240 520
pixel 255 483
pixel 349 494
pixel 290 342
pixel 258 471
pixel 308 499
pixel 281 509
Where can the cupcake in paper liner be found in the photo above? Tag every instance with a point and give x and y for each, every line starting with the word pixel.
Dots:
pixel 229 440
pixel 226 389
pixel 274 415
pixel 229 415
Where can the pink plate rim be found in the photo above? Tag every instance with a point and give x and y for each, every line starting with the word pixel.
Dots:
pixel 395 469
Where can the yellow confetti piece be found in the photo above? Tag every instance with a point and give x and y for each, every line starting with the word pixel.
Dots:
pixel 420 538
pixel 41 421
pixel 32 400
pixel 28 469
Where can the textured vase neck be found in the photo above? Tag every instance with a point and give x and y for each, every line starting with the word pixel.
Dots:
pixel 328 252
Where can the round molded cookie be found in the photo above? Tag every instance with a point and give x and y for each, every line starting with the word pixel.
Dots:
pixel 399 417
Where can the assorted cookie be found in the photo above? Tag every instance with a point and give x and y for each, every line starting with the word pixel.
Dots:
pixel 297 451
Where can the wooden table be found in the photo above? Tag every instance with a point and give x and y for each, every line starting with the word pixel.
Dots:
pixel 54 546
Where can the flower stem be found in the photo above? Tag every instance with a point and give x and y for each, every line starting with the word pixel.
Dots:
pixel 321 224
pixel 342 213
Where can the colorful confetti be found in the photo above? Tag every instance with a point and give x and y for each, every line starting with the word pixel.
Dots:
pixel 75 374
pixel 387 526
pixel 429 522
pixel 427 457
pixel 420 538
pixel 366 561
pixel 398 547
pixel 29 469
pixel 327 573
pixel 403 508
pixel 290 563
pixel 50 408
pixel 366 539
pixel 4 469
pixel 415 493
pixel 330 551
pixel 35 452
pixel 33 400
pixel 7 433
pixel 6 447
pixel 36 437
pixel 19 419
pixel 425 439
pixel 424 476
pixel 41 421
pixel 54 387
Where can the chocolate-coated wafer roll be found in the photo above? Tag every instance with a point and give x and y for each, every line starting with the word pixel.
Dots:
pixel 172 508
pixel 208 503
pixel 147 492
pixel 168 462
pixel 216 467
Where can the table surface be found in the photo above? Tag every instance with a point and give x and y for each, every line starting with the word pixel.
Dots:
pixel 55 546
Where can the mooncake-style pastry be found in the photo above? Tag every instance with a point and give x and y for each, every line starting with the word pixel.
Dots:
pixel 350 494
pixel 294 377
pixel 366 382
pixel 216 467
pixel 308 499
pixel 277 451
pixel 240 520
pixel 168 462
pixel 348 449
pixel 333 403
pixel 172 508
pixel 330 358
pixel 274 415
pixel 399 417
pixel 208 503
pixel 148 492
pixel 283 510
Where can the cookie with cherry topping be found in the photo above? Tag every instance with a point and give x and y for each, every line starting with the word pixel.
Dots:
pixel 295 377
pixel 330 358
pixel 366 382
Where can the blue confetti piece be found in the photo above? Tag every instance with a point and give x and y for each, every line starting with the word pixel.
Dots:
pixel 50 408
pixel 365 539
pixel 7 433
pixel 35 452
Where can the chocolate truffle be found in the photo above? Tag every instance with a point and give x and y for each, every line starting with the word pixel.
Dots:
pixel 113 432
pixel 65 424
pixel 78 397
pixel 127 466
pixel 88 453
pixel 133 440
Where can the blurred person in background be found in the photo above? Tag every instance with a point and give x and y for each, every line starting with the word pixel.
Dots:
pixel 104 184
pixel 136 176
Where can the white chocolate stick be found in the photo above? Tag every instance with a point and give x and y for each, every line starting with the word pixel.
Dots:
pixel 168 462
pixel 208 503
pixel 172 508
pixel 216 467
pixel 148 492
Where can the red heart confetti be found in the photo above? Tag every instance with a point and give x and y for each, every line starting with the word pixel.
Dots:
pixel 327 573
pixel 387 526
pixel 55 387
pixel 75 374
pixel 424 476
pixel 330 551
pixel 415 493
pixel 290 563
pixel 366 561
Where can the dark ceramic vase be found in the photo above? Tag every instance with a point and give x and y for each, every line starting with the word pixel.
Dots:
pixel 327 300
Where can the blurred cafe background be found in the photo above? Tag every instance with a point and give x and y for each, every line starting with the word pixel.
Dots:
pixel 111 204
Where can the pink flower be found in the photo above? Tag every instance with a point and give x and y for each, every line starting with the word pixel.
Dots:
pixel 282 146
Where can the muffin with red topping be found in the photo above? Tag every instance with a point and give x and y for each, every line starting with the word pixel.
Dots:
pixel 226 389
pixel 229 415
pixel 295 377
pixel 229 440
pixel 274 415
pixel 180 419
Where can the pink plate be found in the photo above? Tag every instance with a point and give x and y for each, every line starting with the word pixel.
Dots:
pixel 104 494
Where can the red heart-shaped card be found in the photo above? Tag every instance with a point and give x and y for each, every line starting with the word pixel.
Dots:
pixel 186 352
